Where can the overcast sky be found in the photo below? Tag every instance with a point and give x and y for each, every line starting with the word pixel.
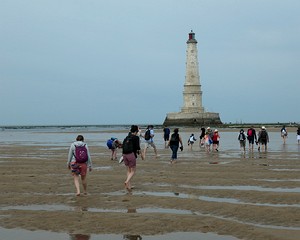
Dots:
pixel 123 62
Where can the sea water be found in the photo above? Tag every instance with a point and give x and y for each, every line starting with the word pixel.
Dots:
pixel 63 136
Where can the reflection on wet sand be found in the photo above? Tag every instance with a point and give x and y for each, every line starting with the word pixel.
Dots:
pixel 132 237
pixel 79 236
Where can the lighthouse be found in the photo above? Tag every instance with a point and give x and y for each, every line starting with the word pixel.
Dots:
pixel 192 94
pixel 192 112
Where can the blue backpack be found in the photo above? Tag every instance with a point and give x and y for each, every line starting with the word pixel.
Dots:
pixel 110 142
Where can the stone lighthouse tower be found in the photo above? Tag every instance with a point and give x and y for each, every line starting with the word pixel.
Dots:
pixel 192 94
pixel 192 113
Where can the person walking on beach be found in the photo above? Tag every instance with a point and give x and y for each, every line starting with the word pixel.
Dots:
pixel 207 142
pixel 174 144
pixel 210 133
pixel 201 138
pixel 242 140
pixel 148 136
pixel 191 141
pixel 113 144
pixel 251 136
pixel 298 135
pixel 263 138
pixel 131 148
pixel 284 134
pixel 166 137
pixel 79 160
pixel 216 140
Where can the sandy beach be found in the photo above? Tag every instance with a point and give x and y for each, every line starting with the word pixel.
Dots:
pixel 251 196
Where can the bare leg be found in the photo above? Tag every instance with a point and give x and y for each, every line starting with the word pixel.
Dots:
pixel 207 148
pixel 215 147
pixel 144 153
pixel 130 174
pixel 76 182
pixel 114 154
pixel 84 184
pixel 155 150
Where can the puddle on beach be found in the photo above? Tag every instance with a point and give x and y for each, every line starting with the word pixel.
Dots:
pixel 60 207
pixel 236 187
pixel 103 168
pixel 39 207
pixel 20 234
pixel 284 170
pixel 249 223
pixel 205 198
pixel 278 180
pixel 244 188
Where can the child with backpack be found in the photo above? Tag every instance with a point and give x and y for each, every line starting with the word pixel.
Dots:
pixel 191 140
pixel 79 160
pixel 207 141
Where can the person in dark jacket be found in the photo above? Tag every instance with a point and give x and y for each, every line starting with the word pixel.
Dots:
pixel 131 149
pixel 263 139
pixel 174 144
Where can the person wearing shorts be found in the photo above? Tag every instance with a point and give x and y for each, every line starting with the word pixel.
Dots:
pixel 79 169
pixel 149 143
pixel 130 157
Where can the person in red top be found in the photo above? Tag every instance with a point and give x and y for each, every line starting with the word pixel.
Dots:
pixel 216 140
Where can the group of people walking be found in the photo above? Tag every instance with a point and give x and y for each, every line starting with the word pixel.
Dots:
pixel 261 139
pixel 79 159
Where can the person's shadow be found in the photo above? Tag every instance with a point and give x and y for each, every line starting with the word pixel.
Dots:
pixel 79 236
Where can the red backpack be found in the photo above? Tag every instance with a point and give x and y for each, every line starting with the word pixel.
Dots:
pixel 249 133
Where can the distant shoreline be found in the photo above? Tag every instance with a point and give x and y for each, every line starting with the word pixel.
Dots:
pixel 126 126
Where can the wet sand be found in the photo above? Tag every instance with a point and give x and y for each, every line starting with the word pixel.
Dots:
pixel 256 196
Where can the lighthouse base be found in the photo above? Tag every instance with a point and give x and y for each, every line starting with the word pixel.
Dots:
pixel 192 119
